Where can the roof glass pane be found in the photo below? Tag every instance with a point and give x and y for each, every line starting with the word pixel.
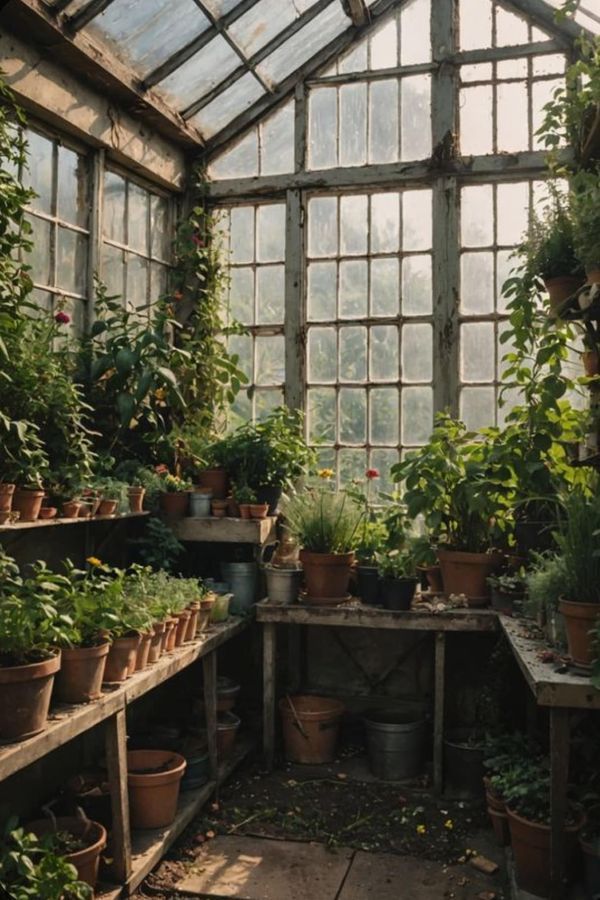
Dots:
pixel 587 15
pixel 200 73
pixel 228 105
pixel 303 45
pixel 266 20
pixel 221 7
pixel 146 34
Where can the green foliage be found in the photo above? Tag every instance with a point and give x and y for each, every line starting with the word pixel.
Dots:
pixel 508 583
pixel 32 868
pixel 546 583
pixel 373 537
pixel 396 563
pixel 158 547
pixel 524 785
pixel 244 494
pixel 585 203
pixel 579 544
pixel 323 521
pixel 550 249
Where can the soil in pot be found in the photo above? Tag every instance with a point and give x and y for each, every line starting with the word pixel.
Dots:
pixel 398 593
pixel 463 765
pixel 467 573
pixel 579 620
pixel 368 584
pixel 27 504
pixel 174 505
pixel 153 779
pixel 227 728
pixel 531 852
pixel 310 728
pixel 395 741
pixel 25 693
pixel 326 575
pixel 143 652
pixel 217 480
pixel 81 673
pixel 88 842
pixel 136 499
pixel 121 659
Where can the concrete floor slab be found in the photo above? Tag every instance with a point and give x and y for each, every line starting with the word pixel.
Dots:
pixel 247 868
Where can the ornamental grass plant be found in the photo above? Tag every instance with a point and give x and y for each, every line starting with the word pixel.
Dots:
pixel 323 520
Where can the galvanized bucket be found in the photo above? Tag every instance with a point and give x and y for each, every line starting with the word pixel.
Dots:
pixel 395 741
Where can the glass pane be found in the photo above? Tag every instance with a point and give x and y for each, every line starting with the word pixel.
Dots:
pixel 302 45
pixel 417 353
pixel 416 117
pixel 477 283
pixel 383 365
pixel 510 28
pixel 113 270
pixel 351 466
pixel 321 406
pixel 39 259
pixel 353 289
pixel 475 24
pixel 513 126
pixel 241 410
pixel 355 60
pixel 383 121
pixel 200 73
pixel 322 226
pixel 353 354
pixel 385 287
pixel 384 46
pixel 228 105
pixel 416 220
pixel 513 212
pixel 384 416
pixel 476 130
pixel 72 188
pixel 511 68
pixel 321 291
pixel 383 460
pixel 263 21
pixel 159 227
pixel 271 233
pixel 114 207
pixel 353 124
pixel 353 215
pixel 270 291
pixel 477 222
pixel 385 223
pixel 39 174
pixel 137 236
pixel 542 93
pixel 322 355
pixel 549 65
pixel 322 128
pixel 137 282
pixel 416 286
pixel 415 38
pixel 242 234
pixel 241 295
pixel 505 264
pixel 477 356
pixel 277 142
pixel 477 407
pixel 270 363
pixel 476 72
pixel 242 346
pixel 159 280
pixel 353 416
pixel 71 261
pixel 417 415
pixel 238 162
pixel 265 402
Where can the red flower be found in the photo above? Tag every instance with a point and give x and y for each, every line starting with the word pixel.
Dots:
pixel 62 318
pixel 372 473
pixel 161 469
pixel 197 240
pixel 177 295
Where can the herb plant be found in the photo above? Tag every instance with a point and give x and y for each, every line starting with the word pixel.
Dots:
pixel 32 868
pixel 323 521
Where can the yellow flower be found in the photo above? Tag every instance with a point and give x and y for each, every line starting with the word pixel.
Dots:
pixel 325 473
pixel 421 829
pixel 94 561
pixel 449 824
pixel 160 393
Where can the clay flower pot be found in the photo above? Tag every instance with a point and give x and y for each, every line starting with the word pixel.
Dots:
pixel 433 574
pixel 25 693
pixel 467 573
pixel 108 507
pixel 70 509
pixel 559 289
pixel 6 496
pixel 170 635
pixel 579 622
pixel 216 480
pixel 245 511
pixel 219 508
pixel 136 499
pixel 531 851
pixel 227 728
pixel 27 504
pixel 92 834
pixel 204 615
pixel 121 659
pixel 496 808
pixel 233 509
pixel 81 673
pixel 143 651
pixel 259 510
pixel 591 363
pixel 181 628
pixel 192 625
pixel 326 575
pixel 156 642
pixel 153 779
pixel 48 512
pixel 174 505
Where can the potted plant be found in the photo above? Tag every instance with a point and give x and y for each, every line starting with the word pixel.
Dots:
pixel 550 252
pixel 508 589
pixel 114 495
pixel 259 510
pixel 326 524
pixel 77 840
pixel 586 217
pixel 398 574
pixel 175 495
pixel 372 538
pixel 425 555
pixel 245 498
pixel 501 752
pixel 578 544
pixel 29 470
pixel 31 867
pixel 546 582
pixel 153 779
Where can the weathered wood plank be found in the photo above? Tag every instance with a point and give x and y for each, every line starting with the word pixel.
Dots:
pixel 269 682
pixel 226 531
pixel 56 523
pixel 209 668
pixel 294 296
pixel 115 742
pixel 438 712
pixel 560 735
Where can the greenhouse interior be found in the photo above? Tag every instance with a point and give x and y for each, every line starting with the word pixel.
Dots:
pixel 300 449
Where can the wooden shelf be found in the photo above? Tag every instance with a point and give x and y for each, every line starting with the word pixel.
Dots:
pixel 226 531
pixel 57 523
pixel 361 616
pixel 67 722
pixel 549 687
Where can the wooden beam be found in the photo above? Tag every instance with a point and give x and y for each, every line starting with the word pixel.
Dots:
pixel 361 616
pixel 358 11
pixel 544 15
pixel 87 13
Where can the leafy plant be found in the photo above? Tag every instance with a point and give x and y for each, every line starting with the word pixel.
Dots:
pixel 396 564
pixel 158 547
pixel 585 186
pixel 579 544
pixel 322 520
pixel 170 483
pixel 546 583
pixel 508 583
pixel 525 787
pixel 32 868
pixel 550 249
pixel 244 494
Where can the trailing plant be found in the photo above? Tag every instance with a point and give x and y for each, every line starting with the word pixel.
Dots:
pixel 323 520
pixel 33 868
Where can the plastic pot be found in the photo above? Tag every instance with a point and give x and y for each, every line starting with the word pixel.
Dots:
pixel 197 772
pixel 93 834
pixel 200 504
pixel 25 693
pixel 310 728
pixel 227 728
pixel 579 621
pixel 143 652
pixel 326 575
pixel 81 674
pixel 174 505
pixel 241 577
pixel 368 584
pixel 398 593
pixel 531 852
pixel 467 573
pixel 283 585
pixel 27 504
pixel 121 659
pixel 395 742
pixel 153 779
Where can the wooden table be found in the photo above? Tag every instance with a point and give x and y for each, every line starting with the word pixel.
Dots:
pixel 560 692
pixel 225 530
pixel 356 615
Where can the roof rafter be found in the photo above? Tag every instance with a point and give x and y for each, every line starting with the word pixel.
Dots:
pixel 357 10
pixel 87 13
pixel 544 15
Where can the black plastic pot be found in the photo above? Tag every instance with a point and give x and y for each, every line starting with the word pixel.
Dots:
pixel 463 766
pixel 271 495
pixel 398 593
pixel 591 868
pixel 368 584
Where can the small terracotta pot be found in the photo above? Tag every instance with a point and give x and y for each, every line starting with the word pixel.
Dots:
pixel 579 622
pixel 217 480
pixel 156 642
pixel 153 779
pixel 326 575
pixel 90 504
pixel 121 659
pixel 6 496
pixel 181 628
pixel 192 625
pixel 48 512
pixel 81 673
pixel 170 634
pixel 27 504
pixel 259 510
pixel 136 499
pixel 531 852
pixel 204 615
pixel 174 505
pixel 143 651
pixel 591 363
pixel 433 574
pixel 25 693
pixel 320 720
pixel 108 507
pixel 559 289
pixel 93 834
pixel 219 508
pixel 227 728
pixel 245 511
pixel 467 573
pixel 70 509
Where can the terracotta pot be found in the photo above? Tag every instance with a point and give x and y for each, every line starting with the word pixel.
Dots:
pixel 326 575
pixel 591 363
pixel 559 289
pixel 153 779
pixel 156 642
pixel 217 480
pixel 174 505
pixel 143 652
pixel 25 693
pixel 496 808
pixel 27 504
pixel 90 503
pixel 70 509
pixel 433 574
pixel 233 509
pixel 245 511
pixel 227 728
pixel 259 510
pixel 6 496
pixel 192 625
pixel 467 573
pixel 593 275
pixel 170 635
pixel 310 736
pixel 219 508
pixel 204 615
pixel 81 674
pixel 48 512
pixel 181 628
pixel 531 852
pixel 108 507
pixel 5 517
pixel 121 659
pixel 579 621
pixel 93 834
pixel 136 499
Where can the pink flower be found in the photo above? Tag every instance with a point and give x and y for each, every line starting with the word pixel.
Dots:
pixel 62 318
pixel 372 473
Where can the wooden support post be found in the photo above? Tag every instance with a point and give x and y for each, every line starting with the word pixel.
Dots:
pixel 116 764
pixel 438 712
pixel 269 663
pixel 209 668
pixel 559 775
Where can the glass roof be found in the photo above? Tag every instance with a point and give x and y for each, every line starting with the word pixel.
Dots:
pixel 211 60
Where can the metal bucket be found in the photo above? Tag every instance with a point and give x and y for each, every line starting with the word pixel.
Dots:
pixel 395 742
pixel 241 577
pixel 283 585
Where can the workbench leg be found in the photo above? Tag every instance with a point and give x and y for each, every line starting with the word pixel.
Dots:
pixel 116 763
pixel 269 654
pixel 559 778
pixel 438 711
pixel 209 668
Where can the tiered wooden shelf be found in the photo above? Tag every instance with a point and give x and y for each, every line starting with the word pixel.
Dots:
pixel 58 523
pixel 226 530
